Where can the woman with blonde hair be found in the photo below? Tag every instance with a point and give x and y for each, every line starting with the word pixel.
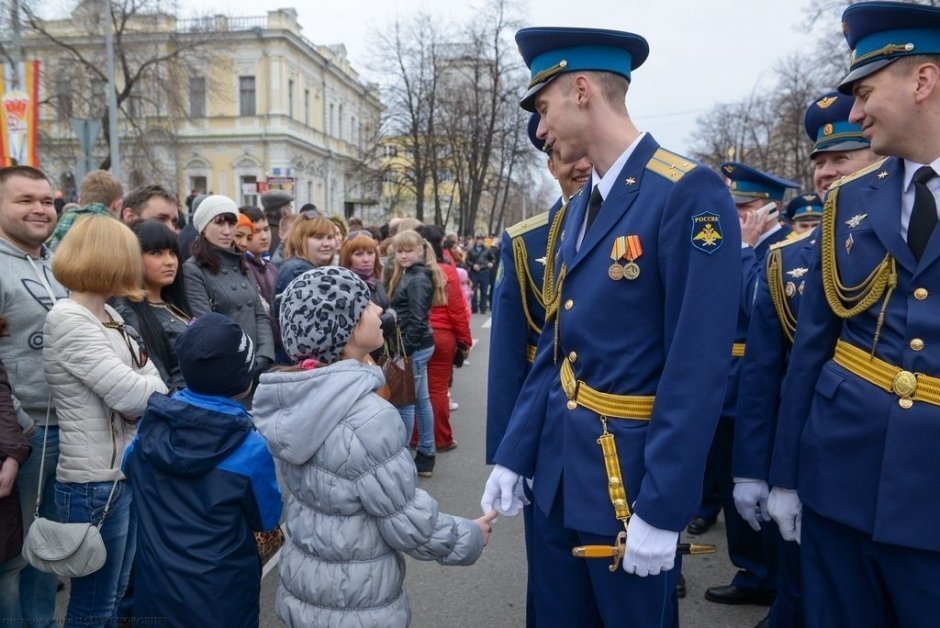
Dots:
pixel 100 379
pixel 416 284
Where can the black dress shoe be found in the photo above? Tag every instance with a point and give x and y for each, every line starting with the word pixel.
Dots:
pixel 730 594
pixel 680 586
pixel 764 623
pixel 699 525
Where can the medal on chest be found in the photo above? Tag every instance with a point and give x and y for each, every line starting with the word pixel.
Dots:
pixel 625 248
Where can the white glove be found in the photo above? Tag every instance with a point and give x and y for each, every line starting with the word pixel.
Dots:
pixel 649 550
pixel 750 500
pixel 502 492
pixel 787 511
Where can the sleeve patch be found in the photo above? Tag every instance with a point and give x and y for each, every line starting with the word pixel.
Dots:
pixel 706 234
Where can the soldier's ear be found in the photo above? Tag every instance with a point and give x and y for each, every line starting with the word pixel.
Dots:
pixel 927 75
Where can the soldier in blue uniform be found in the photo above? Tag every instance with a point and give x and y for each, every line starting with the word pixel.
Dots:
pixel 839 148
pixel 770 336
pixel 614 419
pixel 855 464
pixel 518 313
pixel 758 197
pixel 804 212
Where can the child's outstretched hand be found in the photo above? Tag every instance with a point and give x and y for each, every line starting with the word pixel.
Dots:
pixel 486 525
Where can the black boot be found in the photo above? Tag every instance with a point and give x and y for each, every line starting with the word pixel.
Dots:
pixel 424 464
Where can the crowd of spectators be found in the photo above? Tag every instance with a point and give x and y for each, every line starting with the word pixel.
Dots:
pixel 99 304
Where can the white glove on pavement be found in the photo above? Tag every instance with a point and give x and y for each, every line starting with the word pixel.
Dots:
pixel 750 500
pixel 787 510
pixel 502 492
pixel 649 550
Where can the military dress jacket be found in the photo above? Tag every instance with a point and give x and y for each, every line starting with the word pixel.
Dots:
pixel 667 332
pixel 859 454
pixel 518 316
pixel 769 338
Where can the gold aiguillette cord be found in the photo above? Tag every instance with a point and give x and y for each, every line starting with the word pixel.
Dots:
pixel 618 498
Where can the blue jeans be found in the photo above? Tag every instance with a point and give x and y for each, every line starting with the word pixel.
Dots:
pixel 94 598
pixel 26 592
pixel 419 363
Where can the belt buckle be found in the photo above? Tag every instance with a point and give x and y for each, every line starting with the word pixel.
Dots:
pixel 904 385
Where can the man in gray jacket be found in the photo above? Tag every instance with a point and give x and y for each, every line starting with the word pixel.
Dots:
pixel 27 292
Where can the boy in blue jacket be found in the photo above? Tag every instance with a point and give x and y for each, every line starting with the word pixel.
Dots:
pixel 203 481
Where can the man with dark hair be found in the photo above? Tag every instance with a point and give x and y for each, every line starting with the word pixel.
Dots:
pixel 151 201
pixel 641 289
pixel 480 261
pixel 27 292
pixel 276 204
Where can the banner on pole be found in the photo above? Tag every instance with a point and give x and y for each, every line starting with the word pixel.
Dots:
pixel 19 114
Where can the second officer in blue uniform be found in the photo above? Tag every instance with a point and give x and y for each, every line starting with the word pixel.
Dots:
pixel 840 147
pixel 615 418
pixel 855 463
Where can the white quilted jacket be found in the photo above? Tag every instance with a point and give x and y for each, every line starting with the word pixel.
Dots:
pixel 353 506
pixel 89 371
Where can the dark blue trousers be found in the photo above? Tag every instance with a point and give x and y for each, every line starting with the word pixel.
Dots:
pixel 753 553
pixel 787 611
pixel 851 580
pixel 571 591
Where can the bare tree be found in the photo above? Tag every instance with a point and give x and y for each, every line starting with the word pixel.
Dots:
pixel 408 58
pixel 155 56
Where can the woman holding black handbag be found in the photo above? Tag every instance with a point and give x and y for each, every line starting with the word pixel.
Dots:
pixel 100 379
pixel 415 286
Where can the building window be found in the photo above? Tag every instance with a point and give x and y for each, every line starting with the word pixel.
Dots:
pixel 307 107
pixel 200 184
pixel 98 102
pixel 63 95
pixel 339 124
pixel 246 96
pixel 249 189
pixel 290 97
pixel 329 127
pixel 197 97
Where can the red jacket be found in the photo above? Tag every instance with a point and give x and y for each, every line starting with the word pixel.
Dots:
pixel 453 316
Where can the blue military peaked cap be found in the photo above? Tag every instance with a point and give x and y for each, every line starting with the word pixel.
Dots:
pixel 749 183
pixel 550 51
pixel 804 206
pixel 827 124
pixel 533 129
pixel 881 32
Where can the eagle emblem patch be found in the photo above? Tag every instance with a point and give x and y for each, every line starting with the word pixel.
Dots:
pixel 706 233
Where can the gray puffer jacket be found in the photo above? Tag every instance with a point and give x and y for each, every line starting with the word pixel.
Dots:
pixel 353 505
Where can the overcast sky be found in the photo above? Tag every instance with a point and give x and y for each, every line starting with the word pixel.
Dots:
pixel 701 52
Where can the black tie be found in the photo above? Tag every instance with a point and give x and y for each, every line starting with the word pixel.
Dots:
pixel 924 216
pixel 594 206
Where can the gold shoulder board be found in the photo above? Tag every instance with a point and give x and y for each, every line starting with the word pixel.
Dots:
pixel 793 238
pixel 858 174
pixel 527 225
pixel 670 165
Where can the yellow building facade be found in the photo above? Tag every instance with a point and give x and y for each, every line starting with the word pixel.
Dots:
pixel 257 106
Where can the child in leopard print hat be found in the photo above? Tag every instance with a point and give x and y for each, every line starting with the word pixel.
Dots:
pixel 354 504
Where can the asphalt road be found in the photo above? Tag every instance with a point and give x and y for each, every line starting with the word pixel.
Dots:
pixel 492 592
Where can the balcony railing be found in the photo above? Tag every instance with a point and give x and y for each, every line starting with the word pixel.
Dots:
pixel 220 23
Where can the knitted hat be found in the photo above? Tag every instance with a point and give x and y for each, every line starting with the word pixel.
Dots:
pixel 216 357
pixel 245 221
pixel 319 310
pixel 210 207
